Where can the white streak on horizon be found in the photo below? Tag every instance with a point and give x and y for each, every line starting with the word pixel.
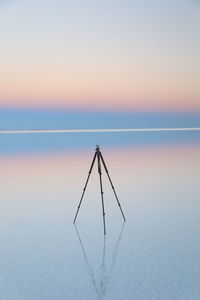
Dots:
pixel 98 130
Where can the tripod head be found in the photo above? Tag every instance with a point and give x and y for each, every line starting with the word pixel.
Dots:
pixel 97 148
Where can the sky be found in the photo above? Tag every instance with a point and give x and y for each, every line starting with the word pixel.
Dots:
pixel 105 55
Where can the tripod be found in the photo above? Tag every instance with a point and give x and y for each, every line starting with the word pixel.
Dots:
pixel 100 160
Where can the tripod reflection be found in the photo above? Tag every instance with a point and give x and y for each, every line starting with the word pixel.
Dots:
pixel 105 270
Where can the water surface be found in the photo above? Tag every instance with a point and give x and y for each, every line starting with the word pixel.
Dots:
pixel 154 255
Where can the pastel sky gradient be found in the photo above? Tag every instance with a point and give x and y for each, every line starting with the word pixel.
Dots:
pixel 113 54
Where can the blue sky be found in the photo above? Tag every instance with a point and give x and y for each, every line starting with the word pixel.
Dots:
pixel 59 119
pixel 98 64
pixel 73 119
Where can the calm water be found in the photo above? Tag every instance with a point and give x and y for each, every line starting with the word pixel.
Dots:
pixel 154 255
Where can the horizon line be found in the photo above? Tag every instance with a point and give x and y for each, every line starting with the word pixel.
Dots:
pixel 98 130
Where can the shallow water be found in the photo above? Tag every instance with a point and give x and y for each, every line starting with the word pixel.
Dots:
pixel 154 255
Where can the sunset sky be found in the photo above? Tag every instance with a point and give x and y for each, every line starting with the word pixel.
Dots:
pixel 113 55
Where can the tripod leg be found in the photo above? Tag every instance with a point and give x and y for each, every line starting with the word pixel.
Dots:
pixel 101 186
pixel 85 186
pixel 104 164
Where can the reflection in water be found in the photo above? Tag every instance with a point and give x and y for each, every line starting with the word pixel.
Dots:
pixel 105 270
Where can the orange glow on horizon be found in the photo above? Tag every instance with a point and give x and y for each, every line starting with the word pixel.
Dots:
pixel 183 104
